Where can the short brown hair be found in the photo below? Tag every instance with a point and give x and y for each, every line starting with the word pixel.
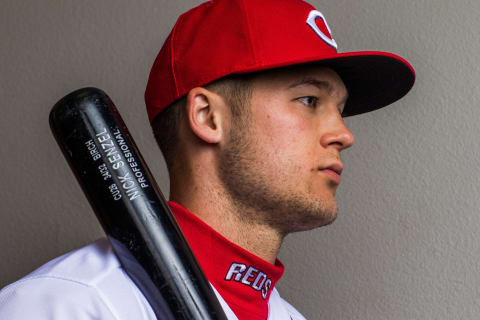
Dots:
pixel 235 89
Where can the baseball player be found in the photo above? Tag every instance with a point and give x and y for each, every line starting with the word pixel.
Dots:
pixel 246 99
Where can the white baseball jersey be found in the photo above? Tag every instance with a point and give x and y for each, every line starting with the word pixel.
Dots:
pixel 90 283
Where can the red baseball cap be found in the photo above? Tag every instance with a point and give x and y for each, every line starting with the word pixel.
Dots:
pixel 223 37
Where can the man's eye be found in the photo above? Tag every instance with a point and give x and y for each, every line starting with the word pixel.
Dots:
pixel 309 101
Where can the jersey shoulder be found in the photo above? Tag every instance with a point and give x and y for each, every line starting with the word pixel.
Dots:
pixel 87 265
pixel 84 284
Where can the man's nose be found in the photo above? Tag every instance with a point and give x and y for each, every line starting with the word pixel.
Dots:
pixel 338 135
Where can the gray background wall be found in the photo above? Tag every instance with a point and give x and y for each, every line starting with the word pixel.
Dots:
pixel 406 242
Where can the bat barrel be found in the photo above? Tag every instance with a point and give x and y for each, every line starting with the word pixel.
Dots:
pixel 130 207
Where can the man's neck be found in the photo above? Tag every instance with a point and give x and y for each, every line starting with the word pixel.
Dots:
pixel 243 280
pixel 215 208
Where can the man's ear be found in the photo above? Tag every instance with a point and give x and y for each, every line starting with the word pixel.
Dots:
pixel 206 114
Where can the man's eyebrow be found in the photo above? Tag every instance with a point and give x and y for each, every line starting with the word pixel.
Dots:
pixel 320 84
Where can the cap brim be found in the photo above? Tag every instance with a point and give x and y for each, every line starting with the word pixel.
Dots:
pixel 373 79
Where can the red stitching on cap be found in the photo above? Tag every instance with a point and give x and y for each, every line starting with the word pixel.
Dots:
pixel 172 65
pixel 249 30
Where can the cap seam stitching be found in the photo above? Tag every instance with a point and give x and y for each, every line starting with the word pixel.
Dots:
pixel 172 65
pixel 249 31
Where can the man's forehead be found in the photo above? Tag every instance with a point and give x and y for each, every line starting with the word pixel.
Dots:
pixel 291 77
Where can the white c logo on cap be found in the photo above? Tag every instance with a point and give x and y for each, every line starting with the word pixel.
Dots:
pixel 312 17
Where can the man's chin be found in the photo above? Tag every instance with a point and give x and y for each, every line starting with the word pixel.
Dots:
pixel 310 216
pixel 315 223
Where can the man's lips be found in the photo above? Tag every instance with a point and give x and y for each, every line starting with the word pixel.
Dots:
pixel 333 172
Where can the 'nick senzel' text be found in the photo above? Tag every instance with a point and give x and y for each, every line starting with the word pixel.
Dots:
pixel 128 179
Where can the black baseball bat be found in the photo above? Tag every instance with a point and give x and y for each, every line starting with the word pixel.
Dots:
pixel 130 207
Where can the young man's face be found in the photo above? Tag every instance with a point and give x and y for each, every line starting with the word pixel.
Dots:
pixel 285 162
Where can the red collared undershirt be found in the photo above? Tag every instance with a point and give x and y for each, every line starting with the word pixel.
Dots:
pixel 244 280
